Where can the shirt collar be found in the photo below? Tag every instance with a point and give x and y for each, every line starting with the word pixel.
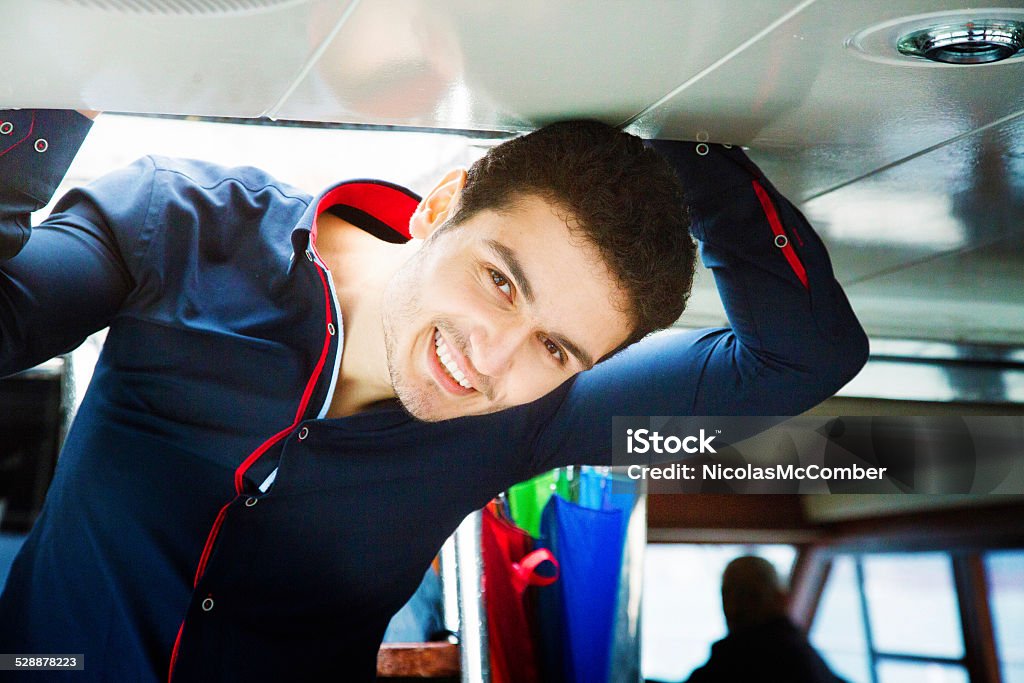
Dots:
pixel 380 208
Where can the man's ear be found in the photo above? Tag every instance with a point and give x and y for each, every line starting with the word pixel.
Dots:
pixel 438 205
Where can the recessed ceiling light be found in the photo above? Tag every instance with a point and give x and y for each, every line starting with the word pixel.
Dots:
pixel 967 42
pixel 945 39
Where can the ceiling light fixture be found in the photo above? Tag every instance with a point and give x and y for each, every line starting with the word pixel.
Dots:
pixel 945 40
pixel 967 42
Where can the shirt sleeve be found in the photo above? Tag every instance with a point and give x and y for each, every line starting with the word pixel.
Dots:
pixel 66 278
pixel 792 342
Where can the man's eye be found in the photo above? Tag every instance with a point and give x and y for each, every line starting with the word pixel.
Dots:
pixel 554 350
pixel 501 282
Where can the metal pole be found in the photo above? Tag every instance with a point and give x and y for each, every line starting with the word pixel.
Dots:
pixel 474 651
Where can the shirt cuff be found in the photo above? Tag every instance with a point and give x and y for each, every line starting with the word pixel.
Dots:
pixel 37 147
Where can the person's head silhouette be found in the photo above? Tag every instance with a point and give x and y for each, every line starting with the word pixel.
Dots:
pixel 751 594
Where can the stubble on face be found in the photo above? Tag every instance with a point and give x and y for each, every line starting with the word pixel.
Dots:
pixel 402 314
pixel 401 305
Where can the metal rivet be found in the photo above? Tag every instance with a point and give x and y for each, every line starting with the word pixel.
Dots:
pixel 330 329
pixel 250 501
pixel 6 128
pixel 42 145
pixel 207 604
pixel 703 149
pixel 309 256
pixel 781 241
pixel 702 136
pixel 303 433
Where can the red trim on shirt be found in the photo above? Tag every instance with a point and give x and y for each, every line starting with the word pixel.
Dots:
pixel 306 394
pixel 208 546
pixel 207 549
pixel 174 651
pixel 390 204
pixel 31 127
pixel 241 469
pixel 773 220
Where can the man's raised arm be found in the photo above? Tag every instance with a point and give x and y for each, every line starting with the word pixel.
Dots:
pixel 64 279
pixel 793 339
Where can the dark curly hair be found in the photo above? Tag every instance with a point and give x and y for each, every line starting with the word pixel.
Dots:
pixel 619 195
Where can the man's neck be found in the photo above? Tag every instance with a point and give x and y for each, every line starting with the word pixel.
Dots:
pixel 361 266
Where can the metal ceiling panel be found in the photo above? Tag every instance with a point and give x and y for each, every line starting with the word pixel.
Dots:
pixel 913 174
pixel 934 247
pixel 508 66
pixel 209 57
pixel 931 248
pixel 821 113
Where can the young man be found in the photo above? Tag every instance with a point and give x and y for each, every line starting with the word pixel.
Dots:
pixel 296 403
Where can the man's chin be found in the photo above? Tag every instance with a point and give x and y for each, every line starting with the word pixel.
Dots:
pixel 428 407
pixel 421 405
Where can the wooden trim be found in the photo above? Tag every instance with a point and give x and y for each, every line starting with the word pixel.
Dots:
pixel 418 660
pixel 980 655
pixel 726 511
pixel 865 616
pixel 717 536
pixel 956 529
pixel 807 583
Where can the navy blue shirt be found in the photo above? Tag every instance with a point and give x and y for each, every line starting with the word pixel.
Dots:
pixel 157 552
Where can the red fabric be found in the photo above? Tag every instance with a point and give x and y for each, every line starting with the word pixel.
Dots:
pixel 773 220
pixel 387 203
pixel 510 566
pixel 524 572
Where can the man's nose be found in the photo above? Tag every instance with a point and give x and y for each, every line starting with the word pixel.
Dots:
pixel 494 347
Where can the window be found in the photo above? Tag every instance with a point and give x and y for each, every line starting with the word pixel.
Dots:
pixel 1005 570
pixel 893 671
pixel 895 618
pixel 682 602
pixel 838 631
pixel 912 605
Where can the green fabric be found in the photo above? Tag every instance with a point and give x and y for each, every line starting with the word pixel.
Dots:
pixel 527 499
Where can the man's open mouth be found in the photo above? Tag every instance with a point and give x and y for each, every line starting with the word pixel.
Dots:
pixel 448 364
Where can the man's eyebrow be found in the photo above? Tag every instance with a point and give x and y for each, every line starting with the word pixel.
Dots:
pixel 515 269
pixel 513 266
pixel 582 356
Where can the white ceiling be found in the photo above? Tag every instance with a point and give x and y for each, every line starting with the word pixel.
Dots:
pixel 914 174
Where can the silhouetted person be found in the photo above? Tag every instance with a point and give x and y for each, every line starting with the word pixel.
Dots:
pixel 763 645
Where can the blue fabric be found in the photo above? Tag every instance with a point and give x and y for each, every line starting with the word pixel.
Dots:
pixel 588 546
pixel 603 490
pixel 10 544
pixel 218 309
pixel 421 619
pixel 552 645
pixel 600 490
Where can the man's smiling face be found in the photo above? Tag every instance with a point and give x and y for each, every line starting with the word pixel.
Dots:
pixel 497 311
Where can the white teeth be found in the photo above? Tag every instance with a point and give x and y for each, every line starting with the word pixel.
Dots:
pixel 445 357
